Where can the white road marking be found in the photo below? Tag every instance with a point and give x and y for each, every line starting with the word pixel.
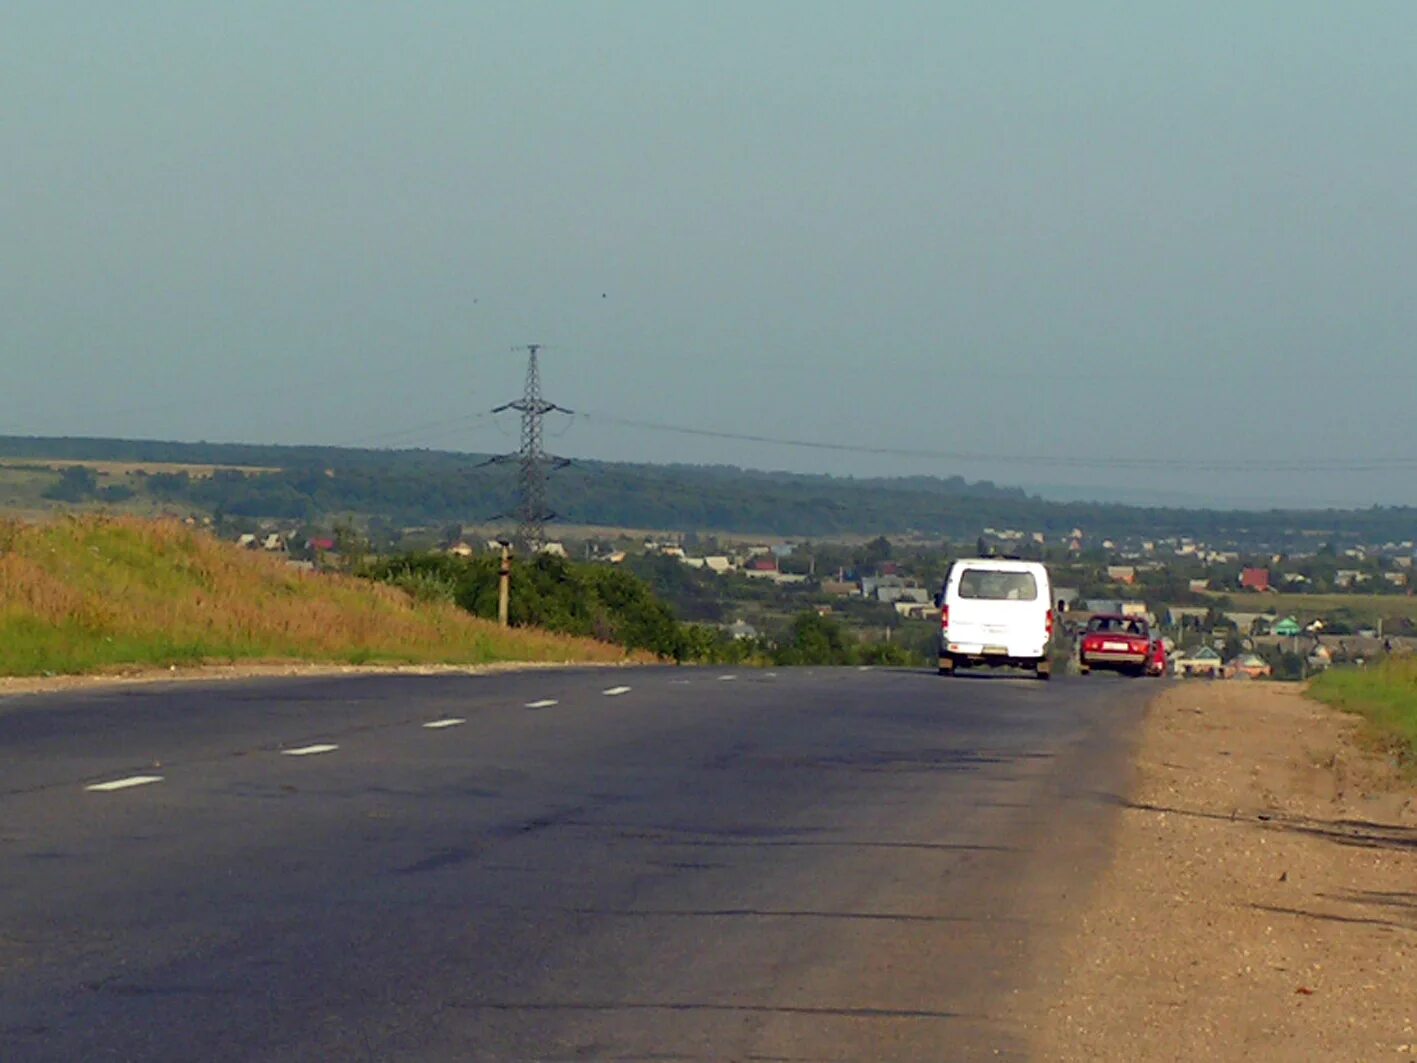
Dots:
pixel 123 784
pixel 770 675
pixel 310 751
pixel 615 692
pixel 727 678
pixel 438 725
pixel 864 668
pixel 544 703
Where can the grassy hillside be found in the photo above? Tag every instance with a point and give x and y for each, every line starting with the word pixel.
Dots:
pixel 1385 694
pixel 92 593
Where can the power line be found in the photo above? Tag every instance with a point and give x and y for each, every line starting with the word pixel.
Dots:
pixel 1086 462
pixel 438 427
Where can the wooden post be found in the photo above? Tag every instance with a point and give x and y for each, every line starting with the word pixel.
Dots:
pixel 504 586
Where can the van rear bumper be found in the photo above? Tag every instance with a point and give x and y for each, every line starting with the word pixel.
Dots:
pixel 979 651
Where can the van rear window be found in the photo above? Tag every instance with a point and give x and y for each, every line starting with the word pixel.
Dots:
pixel 994 585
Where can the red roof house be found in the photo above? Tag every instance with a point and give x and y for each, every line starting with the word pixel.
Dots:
pixel 1255 579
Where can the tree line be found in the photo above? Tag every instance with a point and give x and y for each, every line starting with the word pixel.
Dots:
pixel 422 487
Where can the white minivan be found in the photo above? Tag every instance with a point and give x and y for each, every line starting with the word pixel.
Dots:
pixel 996 611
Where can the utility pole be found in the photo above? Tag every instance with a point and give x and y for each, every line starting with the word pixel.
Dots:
pixel 533 463
pixel 504 585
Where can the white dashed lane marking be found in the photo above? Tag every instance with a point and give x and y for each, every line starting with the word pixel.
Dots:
pixel 544 703
pixel 727 678
pixel 614 692
pixel 310 751
pixel 438 725
pixel 123 784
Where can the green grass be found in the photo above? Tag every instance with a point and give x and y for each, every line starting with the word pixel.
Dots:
pixel 1384 694
pixel 96 594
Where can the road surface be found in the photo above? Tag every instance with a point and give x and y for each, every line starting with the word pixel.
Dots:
pixel 665 864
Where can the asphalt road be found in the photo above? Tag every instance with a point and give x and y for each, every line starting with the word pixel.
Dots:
pixel 650 864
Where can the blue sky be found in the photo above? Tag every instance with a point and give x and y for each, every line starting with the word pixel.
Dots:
pixel 1053 235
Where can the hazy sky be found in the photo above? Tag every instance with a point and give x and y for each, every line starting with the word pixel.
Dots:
pixel 1069 232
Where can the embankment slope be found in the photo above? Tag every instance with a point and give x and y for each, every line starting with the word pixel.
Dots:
pixel 101 594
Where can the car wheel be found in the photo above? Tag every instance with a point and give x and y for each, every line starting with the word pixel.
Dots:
pixel 1043 670
pixel 1084 669
pixel 947 665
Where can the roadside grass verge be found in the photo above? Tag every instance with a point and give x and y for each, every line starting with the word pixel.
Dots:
pixel 1384 694
pixel 94 594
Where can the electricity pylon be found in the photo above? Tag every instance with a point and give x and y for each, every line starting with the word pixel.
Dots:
pixel 533 463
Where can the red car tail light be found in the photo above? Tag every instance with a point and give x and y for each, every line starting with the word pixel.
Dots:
pixel 1048 625
pixel 944 617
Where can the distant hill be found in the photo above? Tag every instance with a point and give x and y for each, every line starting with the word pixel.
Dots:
pixel 431 487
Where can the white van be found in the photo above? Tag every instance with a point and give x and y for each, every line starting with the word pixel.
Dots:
pixel 996 611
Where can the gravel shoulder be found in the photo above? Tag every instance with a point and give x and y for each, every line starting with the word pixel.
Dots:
pixel 1262 900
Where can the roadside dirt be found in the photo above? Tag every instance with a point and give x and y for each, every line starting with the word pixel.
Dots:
pixel 1262 903
pixel 13 685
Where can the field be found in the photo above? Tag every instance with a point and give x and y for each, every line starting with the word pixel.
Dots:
pixel 126 468
pixel 95 594
pixel 1364 609
pixel 23 482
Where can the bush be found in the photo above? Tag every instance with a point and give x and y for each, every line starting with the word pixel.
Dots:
pixel 595 601
pixel 817 639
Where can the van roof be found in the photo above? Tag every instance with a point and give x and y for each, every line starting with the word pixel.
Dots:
pixel 1003 564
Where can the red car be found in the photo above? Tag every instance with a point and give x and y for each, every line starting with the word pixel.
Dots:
pixel 1122 644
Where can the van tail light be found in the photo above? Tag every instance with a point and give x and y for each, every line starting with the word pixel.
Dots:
pixel 944 617
pixel 1048 624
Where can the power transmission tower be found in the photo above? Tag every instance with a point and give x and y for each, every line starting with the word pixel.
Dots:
pixel 533 463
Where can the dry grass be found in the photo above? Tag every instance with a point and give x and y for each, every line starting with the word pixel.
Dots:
pixel 87 594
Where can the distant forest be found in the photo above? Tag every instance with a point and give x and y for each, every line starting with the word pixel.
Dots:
pixel 425 487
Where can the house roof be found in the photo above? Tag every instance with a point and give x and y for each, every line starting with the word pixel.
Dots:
pixel 1205 653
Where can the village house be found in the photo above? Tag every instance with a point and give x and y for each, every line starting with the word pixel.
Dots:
pixel 1204 662
pixel 1249 666
pixel 1254 579
pixel 891 589
pixel 1348 577
pixel 915 610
